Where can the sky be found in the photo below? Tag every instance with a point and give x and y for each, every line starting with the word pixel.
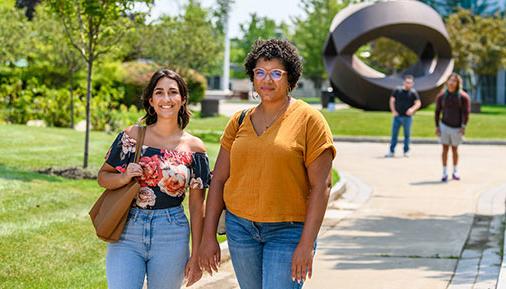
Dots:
pixel 278 10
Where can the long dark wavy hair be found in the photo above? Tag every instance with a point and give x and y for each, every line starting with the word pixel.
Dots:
pixel 183 115
pixel 459 81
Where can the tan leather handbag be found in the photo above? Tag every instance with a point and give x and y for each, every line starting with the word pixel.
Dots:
pixel 110 212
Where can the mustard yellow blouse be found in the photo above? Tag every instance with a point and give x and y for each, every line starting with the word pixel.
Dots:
pixel 268 179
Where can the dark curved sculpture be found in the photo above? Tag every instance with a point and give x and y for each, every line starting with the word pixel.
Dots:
pixel 411 23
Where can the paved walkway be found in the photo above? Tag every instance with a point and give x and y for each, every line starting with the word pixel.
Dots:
pixel 412 230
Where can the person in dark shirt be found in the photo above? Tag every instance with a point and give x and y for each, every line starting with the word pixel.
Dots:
pixel 404 102
pixel 454 105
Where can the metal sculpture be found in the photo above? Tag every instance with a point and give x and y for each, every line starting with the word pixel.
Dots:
pixel 412 23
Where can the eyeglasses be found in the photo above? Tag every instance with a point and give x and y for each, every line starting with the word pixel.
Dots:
pixel 276 74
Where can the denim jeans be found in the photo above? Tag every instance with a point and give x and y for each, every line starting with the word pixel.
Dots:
pixel 155 244
pixel 405 122
pixel 261 253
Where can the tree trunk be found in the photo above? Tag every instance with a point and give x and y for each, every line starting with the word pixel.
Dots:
pixel 88 113
pixel 71 91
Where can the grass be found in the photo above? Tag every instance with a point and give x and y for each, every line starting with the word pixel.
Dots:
pixel 335 176
pixel 490 124
pixel 46 236
pixel 311 100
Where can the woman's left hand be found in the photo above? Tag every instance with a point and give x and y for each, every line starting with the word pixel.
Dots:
pixel 192 272
pixel 302 262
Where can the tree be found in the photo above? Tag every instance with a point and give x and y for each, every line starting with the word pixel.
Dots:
pixel 13 35
pixel 55 52
pixel 93 27
pixel 386 55
pixel 256 28
pixel 29 5
pixel 221 13
pixel 477 7
pixel 311 31
pixel 478 46
pixel 185 41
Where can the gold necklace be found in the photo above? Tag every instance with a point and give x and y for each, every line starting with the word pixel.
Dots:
pixel 278 113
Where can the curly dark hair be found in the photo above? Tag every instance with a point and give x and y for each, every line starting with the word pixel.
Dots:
pixel 183 117
pixel 276 49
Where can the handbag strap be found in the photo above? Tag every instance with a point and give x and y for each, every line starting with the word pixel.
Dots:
pixel 138 145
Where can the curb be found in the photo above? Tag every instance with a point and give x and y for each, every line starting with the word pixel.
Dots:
pixel 337 190
pixel 482 266
pixel 360 139
pixel 501 281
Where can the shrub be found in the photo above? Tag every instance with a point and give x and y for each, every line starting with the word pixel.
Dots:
pixel 197 84
pixel 136 75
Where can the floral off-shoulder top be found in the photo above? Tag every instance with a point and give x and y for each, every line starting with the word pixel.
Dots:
pixel 167 174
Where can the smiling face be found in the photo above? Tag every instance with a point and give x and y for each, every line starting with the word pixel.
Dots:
pixel 269 89
pixel 166 98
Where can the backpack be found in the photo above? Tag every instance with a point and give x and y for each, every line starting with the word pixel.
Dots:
pixel 241 117
pixel 221 229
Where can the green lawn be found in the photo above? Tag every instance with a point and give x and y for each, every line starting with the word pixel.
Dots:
pixel 335 176
pixel 46 236
pixel 491 124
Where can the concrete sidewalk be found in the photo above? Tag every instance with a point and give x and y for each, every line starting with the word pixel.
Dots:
pixel 411 232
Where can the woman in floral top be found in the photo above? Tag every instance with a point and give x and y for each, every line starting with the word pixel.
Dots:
pixel 154 243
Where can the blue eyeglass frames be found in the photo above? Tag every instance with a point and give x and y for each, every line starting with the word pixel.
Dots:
pixel 276 74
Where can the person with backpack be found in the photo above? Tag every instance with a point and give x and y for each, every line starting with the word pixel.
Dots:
pixel 272 175
pixel 453 104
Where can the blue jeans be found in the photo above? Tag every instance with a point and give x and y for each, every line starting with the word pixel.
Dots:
pixel 261 253
pixel 405 122
pixel 153 244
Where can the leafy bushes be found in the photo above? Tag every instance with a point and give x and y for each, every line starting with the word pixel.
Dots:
pixel 23 101
pixel 136 75
pixel 115 102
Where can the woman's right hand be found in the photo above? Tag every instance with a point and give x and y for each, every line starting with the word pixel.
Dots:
pixel 132 170
pixel 209 255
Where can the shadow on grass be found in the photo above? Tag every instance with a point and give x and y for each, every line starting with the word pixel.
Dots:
pixel 10 173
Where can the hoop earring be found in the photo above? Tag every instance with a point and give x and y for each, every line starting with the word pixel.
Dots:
pixel 289 92
pixel 151 113
pixel 254 95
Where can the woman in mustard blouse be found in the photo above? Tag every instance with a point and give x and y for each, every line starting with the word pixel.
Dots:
pixel 273 176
